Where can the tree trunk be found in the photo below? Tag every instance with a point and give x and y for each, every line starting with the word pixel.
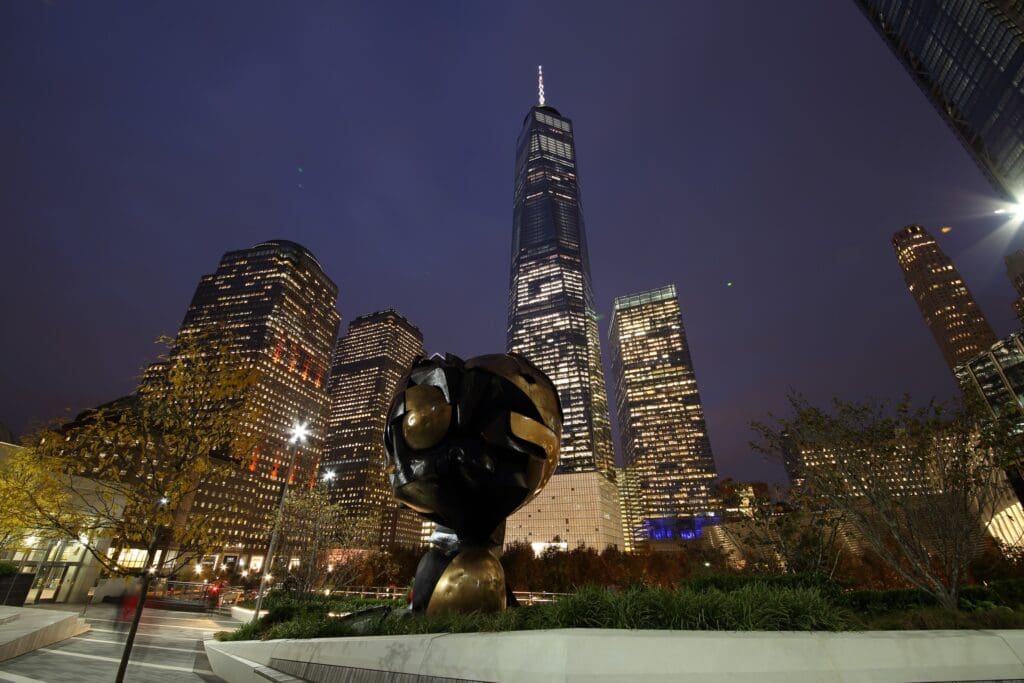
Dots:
pixel 126 655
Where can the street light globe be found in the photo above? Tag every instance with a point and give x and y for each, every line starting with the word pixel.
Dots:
pixel 329 475
pixel 199 569
pixel 299 432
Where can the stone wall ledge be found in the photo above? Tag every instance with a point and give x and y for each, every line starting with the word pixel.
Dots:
pixel 624 655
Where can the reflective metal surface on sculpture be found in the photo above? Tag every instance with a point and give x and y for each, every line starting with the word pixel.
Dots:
pixel 468 443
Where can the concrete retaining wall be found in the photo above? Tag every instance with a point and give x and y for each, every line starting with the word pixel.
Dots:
pixel 24 629
pixel 619 655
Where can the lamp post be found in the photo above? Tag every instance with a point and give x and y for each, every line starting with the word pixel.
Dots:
pixel 299 434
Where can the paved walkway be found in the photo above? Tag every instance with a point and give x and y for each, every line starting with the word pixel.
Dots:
pixel 168 649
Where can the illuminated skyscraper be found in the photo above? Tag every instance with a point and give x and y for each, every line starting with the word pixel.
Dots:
pixel 968 58
pixel 949 310
pixel 368 363
pixel 281 311
pixel 664 438
pixel 552 322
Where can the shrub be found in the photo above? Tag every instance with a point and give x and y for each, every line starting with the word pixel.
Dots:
pixel 731 582
pixel 247 631
pixel 881 602
pixel 8 568
pixel 938 618
pixel 755 606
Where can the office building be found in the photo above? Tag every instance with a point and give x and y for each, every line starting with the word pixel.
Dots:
pixel 967 56
pixel 949 309
pixel 279 309
pixel 664 437
pixel 552 321
pixel 369 361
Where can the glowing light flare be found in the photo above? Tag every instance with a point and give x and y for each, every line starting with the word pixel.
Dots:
pixel 299 432
pixel 945 230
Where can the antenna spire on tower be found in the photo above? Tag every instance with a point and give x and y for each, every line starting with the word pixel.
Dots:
pixel 540 84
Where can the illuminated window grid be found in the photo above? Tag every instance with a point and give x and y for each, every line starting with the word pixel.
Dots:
pixel 281 307
pixel 552 319
pixel 949 309
pixel 369 361
pixel 669 469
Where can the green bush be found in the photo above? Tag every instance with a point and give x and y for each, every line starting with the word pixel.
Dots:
pixel 881 602
pixel 740 603
pixel 1009 592
pixel 937 618
pixel 247 631
pixel 731 582
pixel 754 606
pixel 8 568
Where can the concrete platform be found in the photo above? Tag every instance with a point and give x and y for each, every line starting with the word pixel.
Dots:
pixel 618 655
pixel 24 629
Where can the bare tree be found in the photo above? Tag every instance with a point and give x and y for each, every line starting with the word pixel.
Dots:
pixel 919 485
pixel 317 532
pixel 798 536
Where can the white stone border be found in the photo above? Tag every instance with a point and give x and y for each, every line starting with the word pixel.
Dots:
pixel 243 614
pixel 622 655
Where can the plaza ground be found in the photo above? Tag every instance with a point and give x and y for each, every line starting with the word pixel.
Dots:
pixel 168 649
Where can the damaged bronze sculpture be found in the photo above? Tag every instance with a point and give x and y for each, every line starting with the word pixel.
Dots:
pixel 467 444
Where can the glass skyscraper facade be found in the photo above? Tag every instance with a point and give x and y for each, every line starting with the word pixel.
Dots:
pixel 551 317
pixel 552 322
pixel 968 58
pixel 369 361
pixel 949 309
pixel 669 470
pixel 281 312
pixel 997 376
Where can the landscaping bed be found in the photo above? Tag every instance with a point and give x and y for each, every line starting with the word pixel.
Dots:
pixel 709 604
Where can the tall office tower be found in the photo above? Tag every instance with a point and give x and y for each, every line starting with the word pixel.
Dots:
pixel 368 363
pixel 661 419
pixel 552 322
pixel 959 327
pixel 968 58
pixel 1015 271
pixel 281 311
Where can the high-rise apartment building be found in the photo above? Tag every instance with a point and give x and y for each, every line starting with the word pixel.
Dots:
pixel 369 361
pixel 949 310
pixel 1015 271
pixel 968 58
pixel 280 312
pixel 553 323
pixel 664 437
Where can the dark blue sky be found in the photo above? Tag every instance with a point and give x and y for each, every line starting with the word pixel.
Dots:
pixel 774 145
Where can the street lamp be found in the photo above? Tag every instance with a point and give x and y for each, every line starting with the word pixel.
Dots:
pixel 298 435
pixel 329 475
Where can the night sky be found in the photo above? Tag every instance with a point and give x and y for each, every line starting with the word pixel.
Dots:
pixel 776 146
